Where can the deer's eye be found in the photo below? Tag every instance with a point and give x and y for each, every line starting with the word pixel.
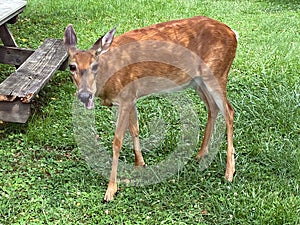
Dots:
pixel 72 68
pixel 94 67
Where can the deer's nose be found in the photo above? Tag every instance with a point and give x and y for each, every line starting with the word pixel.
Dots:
pixel 84 97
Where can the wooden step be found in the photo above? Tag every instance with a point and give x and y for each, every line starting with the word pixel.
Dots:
pixel 18 90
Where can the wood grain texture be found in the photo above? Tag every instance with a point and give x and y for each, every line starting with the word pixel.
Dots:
pixel 17 90
pixel 34 73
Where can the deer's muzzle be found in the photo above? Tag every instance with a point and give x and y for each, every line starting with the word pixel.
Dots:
pixel 86 98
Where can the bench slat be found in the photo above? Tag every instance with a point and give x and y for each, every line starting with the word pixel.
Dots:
pixel 10 8
pixel 34 73
pixel 17 90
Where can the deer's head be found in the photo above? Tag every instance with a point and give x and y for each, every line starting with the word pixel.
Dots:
pixel 84 64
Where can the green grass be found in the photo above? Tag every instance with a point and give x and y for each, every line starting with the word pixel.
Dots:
pixel 46 180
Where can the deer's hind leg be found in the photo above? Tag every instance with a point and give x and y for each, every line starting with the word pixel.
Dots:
pixel 213 111
pixel 134 131
pixel 216 101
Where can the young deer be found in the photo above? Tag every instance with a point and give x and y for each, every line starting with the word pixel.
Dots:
pixel 195 52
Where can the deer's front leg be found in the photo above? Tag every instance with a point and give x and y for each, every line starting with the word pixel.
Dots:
pixel 122 124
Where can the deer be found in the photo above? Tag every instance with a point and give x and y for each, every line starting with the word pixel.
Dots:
pixel 195 52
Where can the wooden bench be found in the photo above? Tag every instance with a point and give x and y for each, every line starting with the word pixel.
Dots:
pixel 18 90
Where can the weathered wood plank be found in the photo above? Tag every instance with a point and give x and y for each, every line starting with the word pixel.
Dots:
pixel 9 9
pixel 7 37
pixel 14 56
pixel 16 111
pixel 35 72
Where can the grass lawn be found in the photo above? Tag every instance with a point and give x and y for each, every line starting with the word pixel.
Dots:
pixel 45 179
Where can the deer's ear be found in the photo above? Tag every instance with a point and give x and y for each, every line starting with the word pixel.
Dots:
pixel 102 44
pixel 70 39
